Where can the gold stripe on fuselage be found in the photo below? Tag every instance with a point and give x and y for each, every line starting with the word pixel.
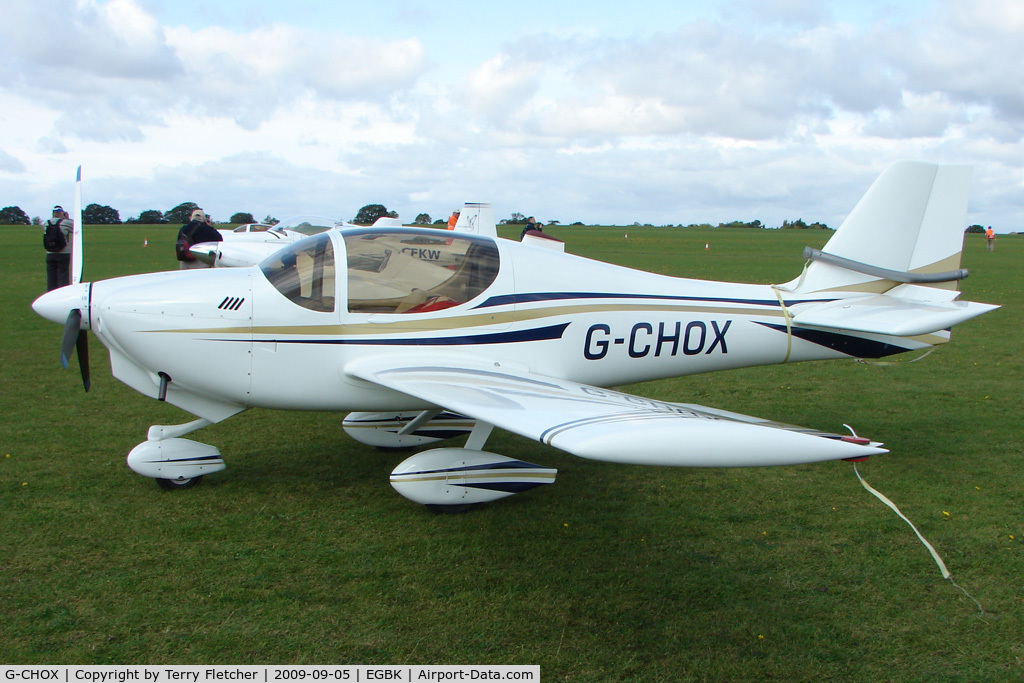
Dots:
pixel 459 322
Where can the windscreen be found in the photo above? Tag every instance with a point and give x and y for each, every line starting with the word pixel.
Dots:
pixel 304 273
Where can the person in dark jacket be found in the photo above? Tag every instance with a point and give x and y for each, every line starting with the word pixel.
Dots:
pixel 198 229
pixel 531 224
pixel 58 263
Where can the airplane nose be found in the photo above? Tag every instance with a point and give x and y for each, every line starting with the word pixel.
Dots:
pixel 206 252
pixel 56 304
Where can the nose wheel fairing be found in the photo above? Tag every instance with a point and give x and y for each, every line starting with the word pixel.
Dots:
pixel 175 459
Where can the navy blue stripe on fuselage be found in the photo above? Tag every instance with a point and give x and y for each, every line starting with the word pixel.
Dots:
pixel 505 486
pixel 536 297
pixel 858 347
pixel 536 334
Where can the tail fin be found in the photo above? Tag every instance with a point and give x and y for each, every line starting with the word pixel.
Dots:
pixel 894 263
pixel 477 219
pixel 911 221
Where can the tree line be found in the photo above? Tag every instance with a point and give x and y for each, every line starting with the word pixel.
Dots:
pixel 95 214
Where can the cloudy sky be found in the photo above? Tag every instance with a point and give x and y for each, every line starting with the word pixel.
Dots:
pixel 597 111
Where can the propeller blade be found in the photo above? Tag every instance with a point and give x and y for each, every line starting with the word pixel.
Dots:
pixel 72 328
pixel 76 233
pixel 83 357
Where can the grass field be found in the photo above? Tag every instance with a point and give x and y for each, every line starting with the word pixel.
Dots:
pixel 301 553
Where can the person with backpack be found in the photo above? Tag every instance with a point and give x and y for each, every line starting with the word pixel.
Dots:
pixel 57 242
pixel 199 229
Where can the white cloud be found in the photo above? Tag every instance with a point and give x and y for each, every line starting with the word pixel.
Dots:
pixel 50 145
pixel 746 115
pixel 251 76
pixel 112 69
pixel 58 41
pixel 929 116
pixel 10 164
pixel 499 86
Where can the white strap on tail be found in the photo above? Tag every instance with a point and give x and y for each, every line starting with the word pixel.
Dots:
pixel 789 322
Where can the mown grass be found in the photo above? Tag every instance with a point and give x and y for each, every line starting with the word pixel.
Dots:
pixel 301 553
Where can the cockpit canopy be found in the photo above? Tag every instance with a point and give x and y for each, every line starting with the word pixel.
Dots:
pixel 416 272
pixel 400 271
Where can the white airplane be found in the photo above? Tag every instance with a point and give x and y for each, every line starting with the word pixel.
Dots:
pixel 496 333
pixel 244 229
pixel 249 244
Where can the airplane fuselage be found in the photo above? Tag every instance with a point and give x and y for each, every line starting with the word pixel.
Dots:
pixel 226 339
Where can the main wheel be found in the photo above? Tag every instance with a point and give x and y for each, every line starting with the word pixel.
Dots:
pixel 179 484
pixel 452 508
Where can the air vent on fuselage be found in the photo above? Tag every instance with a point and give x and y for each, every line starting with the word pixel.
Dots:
pixel 231 303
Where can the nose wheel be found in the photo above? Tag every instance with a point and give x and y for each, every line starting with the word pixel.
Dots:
pixel 179 484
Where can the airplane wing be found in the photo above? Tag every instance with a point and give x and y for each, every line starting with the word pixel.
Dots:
pixel 603 424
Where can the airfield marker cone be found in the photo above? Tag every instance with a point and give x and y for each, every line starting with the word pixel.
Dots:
pixel 707 245
pixel 145 243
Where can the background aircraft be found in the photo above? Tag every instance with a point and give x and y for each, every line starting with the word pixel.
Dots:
pixel 499 333
pixel 245 229
pixel 245 246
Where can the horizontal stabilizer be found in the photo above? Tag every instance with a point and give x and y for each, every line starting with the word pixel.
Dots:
pixel 891 315
pixel 537 238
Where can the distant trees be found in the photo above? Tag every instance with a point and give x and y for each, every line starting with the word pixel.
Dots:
pixel 516 219
pixel 799 224
pixel 150 217
pixel 13 215
pixel 182 213
pixel 371 212
pixel 972 230
pixel 94 214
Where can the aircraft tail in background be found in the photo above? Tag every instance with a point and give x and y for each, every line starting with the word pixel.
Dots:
pixel 477 219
